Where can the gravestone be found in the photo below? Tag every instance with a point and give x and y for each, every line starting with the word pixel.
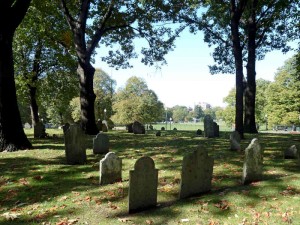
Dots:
pixel 101 144
pixel 138 128
pixel 143 185
pixel 253 164
pixel 292 153
pixel 27 126
pixel 199 132
pixel 208 127
pixel 158 134
pixel 196 173
pixel 99 124
pixel 162 128
pixel 216 129
pixel 65 127
pixel 39 130
pixel 235 141
pixel 74 145
pixel 129 128
pixel 110 169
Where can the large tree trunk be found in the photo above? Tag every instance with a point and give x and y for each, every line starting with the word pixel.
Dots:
pixel 238 58
pixel 12 136
pixel 250 91
pixel 34 109
pixel 87 98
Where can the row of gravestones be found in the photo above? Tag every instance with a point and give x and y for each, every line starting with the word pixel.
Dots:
pixel 136 128
pixel 196 175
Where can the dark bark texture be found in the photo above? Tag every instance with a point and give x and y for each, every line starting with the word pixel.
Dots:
pixel 12 136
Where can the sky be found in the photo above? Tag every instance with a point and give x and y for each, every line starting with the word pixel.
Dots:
pixel 186 80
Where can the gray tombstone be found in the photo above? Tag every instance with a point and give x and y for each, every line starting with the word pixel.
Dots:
pixel 99 124
pixel 101 144
pixel 65 127
pixel 292 153
pixel 110 169
pixel 138 128
pixel 253 164
pixel 143 182
pixel 129 128
pixel 208 127
pixel 235 141
pixel 196 173
pixel 74 145
pixel 39 130
pixel 104 126
pixel 27 126
pixel 216 129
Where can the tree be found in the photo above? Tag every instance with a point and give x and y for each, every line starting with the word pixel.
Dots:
pixel 283 95
pixel 113 23
pixel 261 100
pixel 135 102
pixel 198 112
pixel 12 136
pixel 38 53
pixel 180 113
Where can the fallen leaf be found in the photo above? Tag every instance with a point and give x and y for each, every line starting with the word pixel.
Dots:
pixel 149 221
pixel 223 204
pixel 38 177
pixel 11 216
pixel 124 220
pixel 23 181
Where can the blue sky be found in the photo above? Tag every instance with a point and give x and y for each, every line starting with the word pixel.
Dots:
pixel 186 80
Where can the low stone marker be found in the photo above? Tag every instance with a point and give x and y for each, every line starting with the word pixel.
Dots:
pixel 143 182
pixel 216 129
pixel 208 127
pixel 39 130
pixel 158 134
pixel 292 153
pixel 99 124
pixel 74 145
pixel 196 173
pixel 199 132
pixel 101 144
pixel 110 169
pixel 253 164
pixel 235 141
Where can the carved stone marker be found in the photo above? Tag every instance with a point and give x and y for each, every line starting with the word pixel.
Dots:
pixel 39 130
pixel 253 164
pixel 196 173
pixel 110 169
pixel 208 127
pixel 143 185
pixel 101 144
pixel 292 153
pixel 235 141
pixel 138 128
pixel 74 145
pixel 216 129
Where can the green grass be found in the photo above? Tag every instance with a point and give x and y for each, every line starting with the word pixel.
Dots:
pixel 188 126
pixel 37 187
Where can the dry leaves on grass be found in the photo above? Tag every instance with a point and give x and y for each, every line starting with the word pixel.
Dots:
pixel 66 221
pixel 223 205
pixel 11 215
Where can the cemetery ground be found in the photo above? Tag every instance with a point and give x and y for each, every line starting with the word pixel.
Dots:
pixel 38 187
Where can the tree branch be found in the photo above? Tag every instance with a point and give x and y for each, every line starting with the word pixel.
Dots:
pixel 71 21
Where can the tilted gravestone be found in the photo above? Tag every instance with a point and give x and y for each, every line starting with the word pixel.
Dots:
pixel 110 169
pixel 216 129
pixel 253 164
pixel 208 127
pixel 138 128
pixel 74 145
pixel 143 182
pixel 292 153
pixel 196 173
pixel 235 141
pixel 101 144
pixel 39 130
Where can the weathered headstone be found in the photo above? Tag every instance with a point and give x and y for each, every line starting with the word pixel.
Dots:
pixel 216 129
pixel 74 145
pixel 292 153
pixel 158 134
pixel 138 128
pixel 101 144
pixel 253 164
pixel 199 132
pixel 208 127
pixel 110 169
pixel 27 126
pixel 143 182
pixel 162 128
pixel 104 126
pixel 196 173
pixel 129 128
pixel 99 124
pixel 39 130
pixel 235 141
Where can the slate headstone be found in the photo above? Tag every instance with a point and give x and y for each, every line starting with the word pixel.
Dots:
pixel 74 145
pixel 216 129
pixel 143 182
pixel 253 164
pixel 39 130
pixel 199 132
pixel 208 127
pixel 110 169
pixel 129 128
pixel 196 173
pixel 101 144
pixel 292 153
pixel 235 141
pixel 99 124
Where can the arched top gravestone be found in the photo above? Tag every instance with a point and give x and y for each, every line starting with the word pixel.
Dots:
pixel 110 169
pixel 143 182
pixel 101 144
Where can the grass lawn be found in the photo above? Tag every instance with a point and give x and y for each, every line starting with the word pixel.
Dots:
pixel 37 187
